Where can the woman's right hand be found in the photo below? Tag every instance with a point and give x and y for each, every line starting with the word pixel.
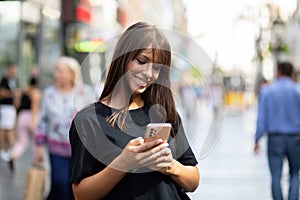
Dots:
pixel 138 154
pixel 39 155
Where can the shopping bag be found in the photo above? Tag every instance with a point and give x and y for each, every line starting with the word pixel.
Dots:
pixel 35 183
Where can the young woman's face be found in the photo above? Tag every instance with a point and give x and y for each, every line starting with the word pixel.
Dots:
pixel 142 71
pixel 63 75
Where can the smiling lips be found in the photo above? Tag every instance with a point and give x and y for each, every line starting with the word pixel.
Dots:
pixel 141 81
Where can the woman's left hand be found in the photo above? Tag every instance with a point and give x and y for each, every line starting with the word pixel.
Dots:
pixel 164 161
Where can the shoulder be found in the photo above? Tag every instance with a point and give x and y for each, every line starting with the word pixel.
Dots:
pixel 49 89
pixel 50 92
pixel 35 93
pixel 86 114
pixel 269 88
pixel 178 118
pixel 298 86
pixel 89 124
pixel 178 123
pixel 86 86
pixel 92 115
pixel 4 81
pixel 84 89
pixel 297 89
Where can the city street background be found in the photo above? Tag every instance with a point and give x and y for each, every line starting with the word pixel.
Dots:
pixel 222 54
pixel 229 171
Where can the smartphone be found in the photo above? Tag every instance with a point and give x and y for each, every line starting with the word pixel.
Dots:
pixel 157 130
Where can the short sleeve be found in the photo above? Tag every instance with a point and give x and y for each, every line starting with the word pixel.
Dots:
pixel 82 162
pixel 182 149
pixel 4 83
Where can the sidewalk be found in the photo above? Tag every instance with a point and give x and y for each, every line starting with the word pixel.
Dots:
pixel 232 171
pixel 12 185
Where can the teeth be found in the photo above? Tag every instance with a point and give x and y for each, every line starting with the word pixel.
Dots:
pixel 140 81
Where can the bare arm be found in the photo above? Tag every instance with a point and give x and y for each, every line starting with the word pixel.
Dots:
pixel 98 185
pixel 17 96
pixel 256 147
pixel 39 154
pixel 187 177
pixel 35 106
pixel 5 93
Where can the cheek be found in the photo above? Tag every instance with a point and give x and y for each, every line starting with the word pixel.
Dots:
pixel 57 75
pixel 155 76
pixel 71 77
pixel 136 69
pixel 131 66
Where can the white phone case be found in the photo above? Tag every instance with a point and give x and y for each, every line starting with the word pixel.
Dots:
pixel 157 130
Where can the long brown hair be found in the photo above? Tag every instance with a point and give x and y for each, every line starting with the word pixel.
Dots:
pixel 131 43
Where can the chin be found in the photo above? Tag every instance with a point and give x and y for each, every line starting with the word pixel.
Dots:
pixel 140 90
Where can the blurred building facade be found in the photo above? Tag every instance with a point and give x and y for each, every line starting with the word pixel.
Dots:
pixel 43 30
pixel 278 39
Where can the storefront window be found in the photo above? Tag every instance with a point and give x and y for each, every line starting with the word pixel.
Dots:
pixel 9 29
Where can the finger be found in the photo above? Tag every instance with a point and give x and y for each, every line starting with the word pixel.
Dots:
pixel 137 141
pixel 167 152
pixel 146 158
pixel 159 147
pixel 162 167
pixel 154 155
pixel 132 144
pixel 149 145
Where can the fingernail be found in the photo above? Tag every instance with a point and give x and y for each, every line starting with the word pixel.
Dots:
pixel 166 144
pixel 159 140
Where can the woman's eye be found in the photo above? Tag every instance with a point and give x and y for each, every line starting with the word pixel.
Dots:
pixel 141 62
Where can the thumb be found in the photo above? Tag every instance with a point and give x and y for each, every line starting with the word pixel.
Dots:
pixel 137 141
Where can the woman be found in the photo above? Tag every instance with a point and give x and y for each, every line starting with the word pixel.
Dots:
pixel 28 116
pixel 57 111
pixel 109 157
pixel 7 109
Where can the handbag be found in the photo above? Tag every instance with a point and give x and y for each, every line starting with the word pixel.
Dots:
pixel 35 183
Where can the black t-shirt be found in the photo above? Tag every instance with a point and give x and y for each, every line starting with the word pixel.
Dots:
pixel 95 144
pixel 9 85
pixel 25 102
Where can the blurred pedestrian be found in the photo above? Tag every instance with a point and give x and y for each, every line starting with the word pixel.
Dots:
pixel 279 117
pixel 59 104
pixel 109 157
pixel 27 105
pixel 7 110
pixel 217 96
pixel 189 100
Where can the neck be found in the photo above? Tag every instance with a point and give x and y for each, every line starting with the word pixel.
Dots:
pixel 66 88
pixel 137 102
pixel 118 102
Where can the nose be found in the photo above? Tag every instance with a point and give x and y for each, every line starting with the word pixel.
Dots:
pixel 148 70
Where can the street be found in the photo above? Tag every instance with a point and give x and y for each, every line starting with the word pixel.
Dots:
pixel 232 171
pixel 229 171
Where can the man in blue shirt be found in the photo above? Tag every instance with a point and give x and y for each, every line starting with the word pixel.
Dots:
pixel 279 117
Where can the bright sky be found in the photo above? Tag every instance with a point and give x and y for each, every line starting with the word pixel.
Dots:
pixel 216 27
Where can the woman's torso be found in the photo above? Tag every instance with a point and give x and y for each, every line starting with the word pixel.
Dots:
pixel 25 102
pixel 99 151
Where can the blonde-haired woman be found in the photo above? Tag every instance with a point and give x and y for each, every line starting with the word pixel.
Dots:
pixel 60 102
